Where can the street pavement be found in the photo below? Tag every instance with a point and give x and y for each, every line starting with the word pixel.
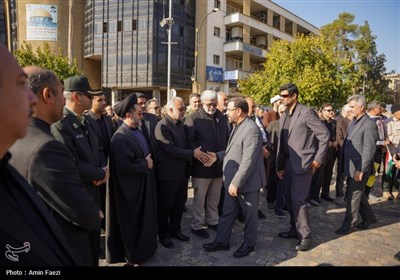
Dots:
pixel 372 247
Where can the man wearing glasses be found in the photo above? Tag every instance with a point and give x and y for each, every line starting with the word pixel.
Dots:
pixel 75 131
pixel 302 147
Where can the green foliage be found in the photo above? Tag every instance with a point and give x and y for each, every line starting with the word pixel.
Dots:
pixel 326 67
pixel 44 57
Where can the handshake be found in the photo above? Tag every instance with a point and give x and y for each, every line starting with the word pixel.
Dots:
pixel 207 159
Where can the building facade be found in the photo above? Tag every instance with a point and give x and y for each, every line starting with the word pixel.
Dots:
pixel 121 47
pixel 234 41
pixel 126 36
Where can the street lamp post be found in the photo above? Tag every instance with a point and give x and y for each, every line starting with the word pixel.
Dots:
pixel 170 21
pixel 196 51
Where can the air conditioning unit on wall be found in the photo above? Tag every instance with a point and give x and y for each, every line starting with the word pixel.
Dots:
pixel 261 40
pixel 237 33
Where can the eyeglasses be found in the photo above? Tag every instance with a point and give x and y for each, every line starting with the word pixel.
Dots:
pixel 330 110
pixel 286 95
pixel 230 109
pixel 181 109
pixel 155 108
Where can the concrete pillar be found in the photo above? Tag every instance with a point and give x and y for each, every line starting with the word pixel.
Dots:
pixel 282 23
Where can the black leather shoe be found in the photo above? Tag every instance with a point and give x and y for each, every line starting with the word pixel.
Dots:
pixel 216 246
pixel 213 227
pixel 365 225
pixel 243 251
pixel 304 244
pixel 289 235
pixel 167 243
pixel 327 198
pixel 344 230
pixel 202 233
pixel 180 236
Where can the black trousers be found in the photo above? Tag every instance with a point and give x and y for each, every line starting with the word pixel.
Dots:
pixel 172 196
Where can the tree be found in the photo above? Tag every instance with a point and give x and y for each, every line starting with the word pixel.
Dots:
pixel 326 67
pixel 359 63
pixel 304 62
pixel 44 57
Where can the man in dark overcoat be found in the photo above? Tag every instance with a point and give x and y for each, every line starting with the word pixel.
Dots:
pixel 131 223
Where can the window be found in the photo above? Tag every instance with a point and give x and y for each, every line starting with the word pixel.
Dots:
pixel 217 4
pixel 119 25
pixel 217 31
pixel 134 24
pixel 181 31
pixel 104 27
pixel 216 59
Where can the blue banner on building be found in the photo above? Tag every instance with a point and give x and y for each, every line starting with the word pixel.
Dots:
pixel 214 74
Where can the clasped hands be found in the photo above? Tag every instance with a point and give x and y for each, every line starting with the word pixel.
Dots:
pixel 207 159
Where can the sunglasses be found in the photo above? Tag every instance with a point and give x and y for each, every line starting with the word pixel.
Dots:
pixel 331 110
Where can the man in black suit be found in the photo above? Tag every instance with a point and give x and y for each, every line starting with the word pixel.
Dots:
pixel 50 168
pixel 302 147
pixel 78 135
pixel 29 235
pixel 148 125
pixel 173 158
pixel 358 159
pixel 103 127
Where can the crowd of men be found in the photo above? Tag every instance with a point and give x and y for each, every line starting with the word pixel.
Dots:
pixel 70 165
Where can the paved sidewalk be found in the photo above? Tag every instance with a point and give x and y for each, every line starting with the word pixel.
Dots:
pixel 372 247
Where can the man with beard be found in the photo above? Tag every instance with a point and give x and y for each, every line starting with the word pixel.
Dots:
pixel 132 210
pixel 206 128
pixel 244 176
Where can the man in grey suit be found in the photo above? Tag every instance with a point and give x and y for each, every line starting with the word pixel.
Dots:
pixel 244 176
pixel 302 146
pixel 358 154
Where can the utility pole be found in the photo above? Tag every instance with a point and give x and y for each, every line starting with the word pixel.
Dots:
pixel 195 87
pixel 170 22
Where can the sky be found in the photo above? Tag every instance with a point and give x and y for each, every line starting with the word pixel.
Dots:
pixel 383 17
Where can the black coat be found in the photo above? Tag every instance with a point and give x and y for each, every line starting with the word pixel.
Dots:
pixel 173 154
pixel 25 220
pixel 83 145
pixel 104 144
pixel 131 201
pixel 212 134
pixel 48 166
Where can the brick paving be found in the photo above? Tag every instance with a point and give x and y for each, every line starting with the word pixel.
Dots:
pixel 372 247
